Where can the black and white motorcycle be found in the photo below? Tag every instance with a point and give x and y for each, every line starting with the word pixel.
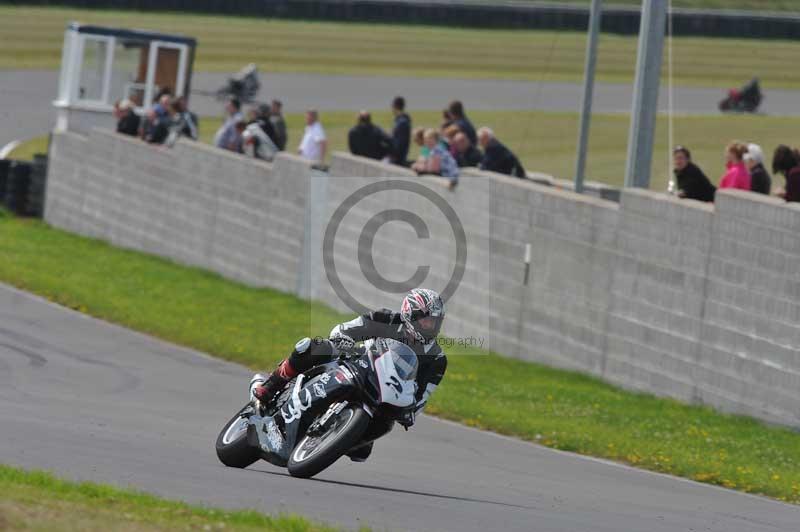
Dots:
pixel 332 410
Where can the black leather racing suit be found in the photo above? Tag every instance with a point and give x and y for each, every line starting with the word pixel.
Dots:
pixel 383 323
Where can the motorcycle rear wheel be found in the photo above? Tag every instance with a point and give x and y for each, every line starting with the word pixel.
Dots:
pixel 232 447
pixel 313 454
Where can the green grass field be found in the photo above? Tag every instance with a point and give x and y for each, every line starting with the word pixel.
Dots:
pixel 39 501
pixel 32 38
pixel 546 141
pixel 556 408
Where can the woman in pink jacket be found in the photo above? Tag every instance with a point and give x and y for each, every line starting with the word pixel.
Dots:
pixel 737 175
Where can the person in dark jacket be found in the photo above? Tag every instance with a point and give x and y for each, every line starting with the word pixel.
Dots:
pixel 156 126
pixel 466 154
pixel 760 181
pixel 278 124
pixel 401 133
pixel 456 109
pixel 368 140
pixel 261 117
pixel 496 157
pixel 692 182
pixel 786 161
pixel 128 121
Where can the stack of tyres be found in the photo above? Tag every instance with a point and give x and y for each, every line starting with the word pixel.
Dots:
pixel 17 185
pixel 5 167
pixel 36 188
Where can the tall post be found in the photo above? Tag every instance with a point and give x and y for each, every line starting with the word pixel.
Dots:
pixel 645 93
pixel 588 93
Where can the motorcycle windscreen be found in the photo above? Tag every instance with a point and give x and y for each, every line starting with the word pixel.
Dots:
pixel 396 368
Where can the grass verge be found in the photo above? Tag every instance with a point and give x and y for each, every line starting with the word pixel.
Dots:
pixel 32 38
pixel 35 500
pixel 546 141
pixel 257 327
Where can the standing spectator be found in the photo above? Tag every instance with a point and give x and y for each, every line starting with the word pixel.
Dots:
pixel 447 119
pixel 786 161
pixel 496 157
pixel 692 182
pixel 466 153
pixel 155 129
pixel 256 143
pixel 401 132
pixel 128 121
pixel 262 117
pixel 438 161
pixel 736 175
pixel 760 181
pixel 368 140
pixel 237 141
pixel 314 142
pixel 184 122
pixel 226 137
pixel 456 109
pixel 278 124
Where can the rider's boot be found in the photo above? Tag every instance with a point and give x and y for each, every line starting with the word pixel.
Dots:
pixel 265 388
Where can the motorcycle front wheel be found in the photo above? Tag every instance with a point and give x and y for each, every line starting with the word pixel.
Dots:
pixel 313 454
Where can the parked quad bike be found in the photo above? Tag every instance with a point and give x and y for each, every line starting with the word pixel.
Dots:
pixel 744 100
pixel 332 410
pixel 244 85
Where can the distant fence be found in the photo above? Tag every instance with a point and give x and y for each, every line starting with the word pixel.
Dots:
pixel 532 15
pixel 674 297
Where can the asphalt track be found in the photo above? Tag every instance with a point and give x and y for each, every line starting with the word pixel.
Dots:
pixel 93 401
pixel 26 96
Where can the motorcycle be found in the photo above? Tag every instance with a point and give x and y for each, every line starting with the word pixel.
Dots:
pixel 244 85
pixel 332 410
pixel 744 100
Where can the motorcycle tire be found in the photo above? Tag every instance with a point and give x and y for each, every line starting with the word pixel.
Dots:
pixel 350 427
pixel 232 447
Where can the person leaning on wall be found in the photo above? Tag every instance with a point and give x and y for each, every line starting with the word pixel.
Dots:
pixel 691 181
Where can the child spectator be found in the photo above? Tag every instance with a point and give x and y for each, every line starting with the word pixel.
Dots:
pixel 786 161
pixel 760 181
pixel 692 182
pixel 736 175
pixel 438 161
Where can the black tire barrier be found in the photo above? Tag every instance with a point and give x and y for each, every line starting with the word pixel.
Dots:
pixel 551 16
pixel 23 185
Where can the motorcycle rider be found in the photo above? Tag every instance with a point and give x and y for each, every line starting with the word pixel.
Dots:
pixel 417 325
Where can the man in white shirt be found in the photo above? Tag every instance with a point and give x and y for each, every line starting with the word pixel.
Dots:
pixel 314 142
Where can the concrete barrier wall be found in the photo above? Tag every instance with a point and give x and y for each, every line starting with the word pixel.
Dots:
pixel 193 203
pixel 673 297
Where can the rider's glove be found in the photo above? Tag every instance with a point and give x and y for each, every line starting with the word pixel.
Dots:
pixel 342 343
pixel 406 416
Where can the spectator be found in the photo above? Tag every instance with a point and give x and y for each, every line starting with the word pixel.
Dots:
pixel 256 143
pixel 226 135
pixel 448 136
pixel 419 139
pixel 736 175
pixel 438 161
pixel 262 117
pixel 314 142
pixel 760 181
pixel 278 124
pixel 237 142
pixel 496 157
pixel 401 132
pixel 786 161
pixel 447 119
pixel 155 129
pixel 128 121
pixel 466 153
pixel 184 122
pixel 692 182
pixel 368 140
pixel 456 109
